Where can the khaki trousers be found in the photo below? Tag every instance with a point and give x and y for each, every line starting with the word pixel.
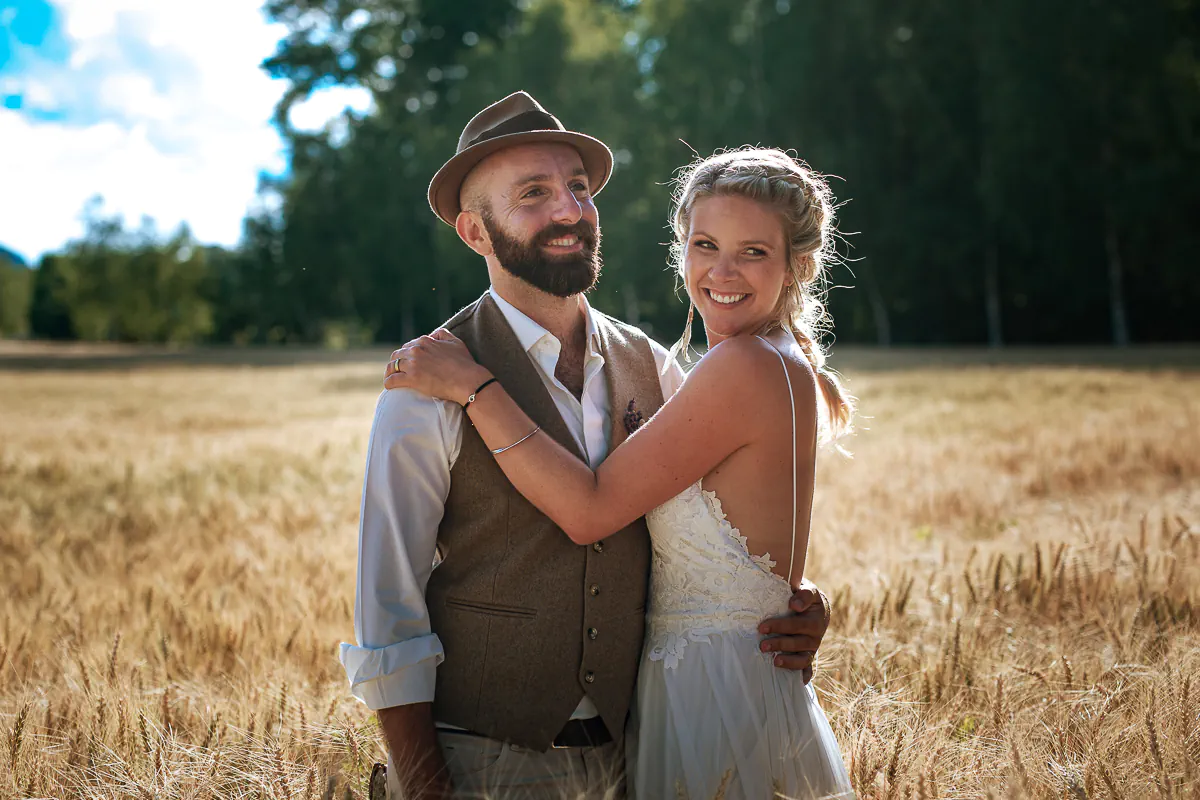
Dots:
pixel 485 769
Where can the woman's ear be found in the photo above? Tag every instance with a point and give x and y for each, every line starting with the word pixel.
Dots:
pixel 470 228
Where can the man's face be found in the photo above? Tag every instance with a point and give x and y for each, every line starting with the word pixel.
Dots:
pixel 537 209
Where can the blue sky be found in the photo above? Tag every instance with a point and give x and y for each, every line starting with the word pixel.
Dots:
pixel 159 107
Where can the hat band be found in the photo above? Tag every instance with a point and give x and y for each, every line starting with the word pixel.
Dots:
pixel 527 122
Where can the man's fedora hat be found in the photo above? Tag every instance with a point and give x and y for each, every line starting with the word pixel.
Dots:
pixel 517 119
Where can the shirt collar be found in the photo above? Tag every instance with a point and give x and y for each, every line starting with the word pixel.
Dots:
pixel 529 333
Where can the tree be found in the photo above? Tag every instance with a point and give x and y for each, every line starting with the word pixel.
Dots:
pixel 16 287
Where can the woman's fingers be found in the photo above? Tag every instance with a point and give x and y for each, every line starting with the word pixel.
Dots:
pixel 404 353
pixel 432 364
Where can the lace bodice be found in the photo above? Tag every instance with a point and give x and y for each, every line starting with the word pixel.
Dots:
pixel 703 580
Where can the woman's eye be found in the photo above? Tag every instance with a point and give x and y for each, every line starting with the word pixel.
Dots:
pixel 754 251
pixel 704 243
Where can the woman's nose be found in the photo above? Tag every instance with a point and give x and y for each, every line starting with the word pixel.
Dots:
pixel 723 269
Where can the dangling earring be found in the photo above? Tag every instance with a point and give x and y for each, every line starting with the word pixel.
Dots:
pixel 684 340
pixel 687 332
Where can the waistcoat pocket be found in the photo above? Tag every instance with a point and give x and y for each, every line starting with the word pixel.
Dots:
pixel 490 609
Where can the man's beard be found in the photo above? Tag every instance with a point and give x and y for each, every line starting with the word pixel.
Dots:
pixel 562 276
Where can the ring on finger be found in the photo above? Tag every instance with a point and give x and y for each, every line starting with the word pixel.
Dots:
pixel 395 365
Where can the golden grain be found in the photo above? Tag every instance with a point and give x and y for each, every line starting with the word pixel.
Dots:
pixel 179 545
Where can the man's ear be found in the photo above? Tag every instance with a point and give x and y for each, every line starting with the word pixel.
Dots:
pixel 471 230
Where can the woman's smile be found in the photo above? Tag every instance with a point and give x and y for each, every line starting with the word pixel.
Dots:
pixel 727 299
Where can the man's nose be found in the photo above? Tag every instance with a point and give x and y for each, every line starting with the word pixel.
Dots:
pixel 567 209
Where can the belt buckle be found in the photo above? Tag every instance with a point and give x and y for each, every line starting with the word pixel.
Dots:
pixel 554 745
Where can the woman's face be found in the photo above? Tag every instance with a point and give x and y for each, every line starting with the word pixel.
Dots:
pixel 735 265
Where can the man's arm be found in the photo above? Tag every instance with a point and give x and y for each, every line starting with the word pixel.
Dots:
pixel 392 668
pixel 412 741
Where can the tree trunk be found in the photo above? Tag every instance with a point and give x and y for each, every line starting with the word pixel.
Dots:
pixel 633 314
pixel 883 324
pixel 1116 281
pixel 441 290
pixel 991 289
pixel 408 320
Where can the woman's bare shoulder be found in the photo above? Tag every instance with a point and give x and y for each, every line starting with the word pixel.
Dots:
pixel 739 369
pixel 748 370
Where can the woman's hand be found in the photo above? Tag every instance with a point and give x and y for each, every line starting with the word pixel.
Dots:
pixel 438 365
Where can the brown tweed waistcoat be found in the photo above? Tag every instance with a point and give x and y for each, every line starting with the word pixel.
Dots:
pixel 529 620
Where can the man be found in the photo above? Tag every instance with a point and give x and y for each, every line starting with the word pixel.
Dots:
pixel 509 667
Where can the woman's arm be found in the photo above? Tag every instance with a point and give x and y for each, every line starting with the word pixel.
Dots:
pixel 716 412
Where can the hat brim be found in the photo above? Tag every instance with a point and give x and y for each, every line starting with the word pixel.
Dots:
pixel 445 186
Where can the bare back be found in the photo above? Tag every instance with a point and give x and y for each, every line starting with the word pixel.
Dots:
pixel 758 493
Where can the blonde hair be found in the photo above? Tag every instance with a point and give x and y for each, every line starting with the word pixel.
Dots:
pixel 806 208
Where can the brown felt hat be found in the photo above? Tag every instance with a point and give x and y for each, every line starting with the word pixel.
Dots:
pixel 517 119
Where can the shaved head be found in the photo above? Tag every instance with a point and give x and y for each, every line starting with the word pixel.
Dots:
pixel 472 195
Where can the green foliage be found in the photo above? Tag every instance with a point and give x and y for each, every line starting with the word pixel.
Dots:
pixel 1016 172
pixel 50 304
pixel 16 289
pixel 123 286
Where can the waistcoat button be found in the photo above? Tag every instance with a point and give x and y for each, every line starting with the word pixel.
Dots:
pixel 598 547
pixel 589 677
pixel 593 633
pixel 595 590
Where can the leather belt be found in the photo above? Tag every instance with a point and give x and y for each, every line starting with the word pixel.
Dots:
pixel 583 733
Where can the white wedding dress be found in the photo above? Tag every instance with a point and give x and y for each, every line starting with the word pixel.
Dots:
pixel 714 717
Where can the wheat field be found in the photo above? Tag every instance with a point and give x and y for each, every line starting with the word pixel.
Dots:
pixel 1012 554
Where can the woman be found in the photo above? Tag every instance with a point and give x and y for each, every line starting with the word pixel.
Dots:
pixel 724 475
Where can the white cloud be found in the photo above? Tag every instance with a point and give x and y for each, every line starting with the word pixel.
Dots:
pixel 162 109
pixel 318 109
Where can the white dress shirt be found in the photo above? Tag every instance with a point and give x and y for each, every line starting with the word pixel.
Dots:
pixel 414 443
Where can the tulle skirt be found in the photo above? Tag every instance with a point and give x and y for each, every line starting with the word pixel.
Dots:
pixel 721 721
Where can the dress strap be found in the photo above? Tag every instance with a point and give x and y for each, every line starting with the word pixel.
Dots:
pixel 792 399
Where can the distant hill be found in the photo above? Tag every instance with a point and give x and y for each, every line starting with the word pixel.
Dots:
pixel 9 255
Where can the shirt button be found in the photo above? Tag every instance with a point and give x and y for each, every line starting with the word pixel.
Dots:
pixel 589 677
pixel 593 633
pixel 598 547
pixel 595 590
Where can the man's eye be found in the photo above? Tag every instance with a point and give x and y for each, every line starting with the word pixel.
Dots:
pixel 534 192
pixel 579 187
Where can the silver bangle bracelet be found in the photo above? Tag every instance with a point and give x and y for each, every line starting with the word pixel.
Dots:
pixel 518 441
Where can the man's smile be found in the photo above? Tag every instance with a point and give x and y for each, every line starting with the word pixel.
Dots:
pixel 565 244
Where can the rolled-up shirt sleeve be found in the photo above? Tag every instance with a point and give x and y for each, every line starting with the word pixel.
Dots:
pixel 404 493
